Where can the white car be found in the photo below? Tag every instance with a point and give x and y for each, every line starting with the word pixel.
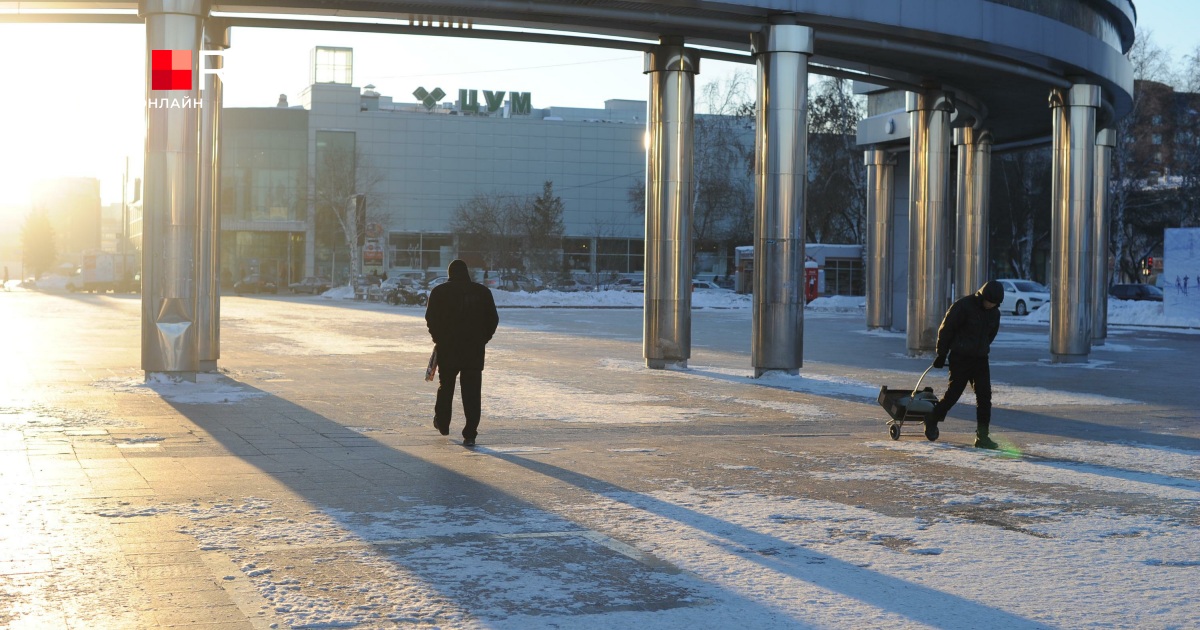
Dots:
pixel 1023 296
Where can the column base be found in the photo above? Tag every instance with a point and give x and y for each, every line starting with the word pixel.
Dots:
pixel 662 364
pixel 208 367
pixel 1068 358
pixel 758 371
pixel 170 377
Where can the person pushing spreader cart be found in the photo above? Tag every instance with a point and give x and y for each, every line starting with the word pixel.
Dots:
pixel 964 340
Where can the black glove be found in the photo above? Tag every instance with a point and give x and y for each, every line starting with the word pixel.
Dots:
pixel 940 361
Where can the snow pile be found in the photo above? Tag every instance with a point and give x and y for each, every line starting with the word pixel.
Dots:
pixel 209 389
pixel 1128 313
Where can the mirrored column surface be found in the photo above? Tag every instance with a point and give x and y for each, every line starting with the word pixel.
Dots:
pixel 169 243
pixel 1074 157
pixel 781 162
pixel 208 257
pixel 1106 140
pixel 928 209
pixel 974 188
pixel 881 184
pixel 667 335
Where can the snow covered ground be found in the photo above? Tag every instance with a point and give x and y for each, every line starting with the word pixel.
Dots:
pixel 1120 312
pixel 730 529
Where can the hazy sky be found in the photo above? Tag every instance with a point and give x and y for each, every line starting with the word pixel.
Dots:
pixel 67 113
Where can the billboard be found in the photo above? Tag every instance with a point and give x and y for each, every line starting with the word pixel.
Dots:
pixel 1181 273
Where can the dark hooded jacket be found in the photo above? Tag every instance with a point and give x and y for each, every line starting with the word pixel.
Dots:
pixel 968 328
pixel 462 318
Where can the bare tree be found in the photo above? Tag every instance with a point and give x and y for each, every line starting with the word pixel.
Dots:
pixel 488 224
pixel 1019 220
pixel 1187 141
pixel 341 175
pixel 512 233
pixel 837 179
pixel 1132 163
pixel 724 141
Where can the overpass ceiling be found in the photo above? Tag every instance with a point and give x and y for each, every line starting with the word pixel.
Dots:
pixel 996 52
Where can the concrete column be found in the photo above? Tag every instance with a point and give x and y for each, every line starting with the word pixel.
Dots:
pixel 928 211
pixel 881 190
pixel 667 324
pixel 780 169
pixel 1105 141
pixel 208 258
pixel 1071 233
pixel 169 241
pixel 974 186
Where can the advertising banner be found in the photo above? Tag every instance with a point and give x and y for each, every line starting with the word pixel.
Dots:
pixel 1181 273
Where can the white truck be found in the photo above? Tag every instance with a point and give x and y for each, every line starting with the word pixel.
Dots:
pixel 100 272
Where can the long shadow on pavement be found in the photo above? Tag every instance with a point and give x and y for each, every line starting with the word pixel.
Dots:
pixel 478 547
pixel 913 601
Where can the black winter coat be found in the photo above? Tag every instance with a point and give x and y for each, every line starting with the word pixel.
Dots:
pixel 968 329
pixel 462 318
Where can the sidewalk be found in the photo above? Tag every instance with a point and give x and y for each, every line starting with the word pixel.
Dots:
pixel 305 488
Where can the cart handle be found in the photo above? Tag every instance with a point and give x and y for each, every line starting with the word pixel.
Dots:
pixel 918 387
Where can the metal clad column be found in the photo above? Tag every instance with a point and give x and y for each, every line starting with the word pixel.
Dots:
pixel 667 327
pixel 781 170
pixel 169 242
pixel 928 211
pixel 208 257
pixel 1074 117
pixel 974 184
pixel 881 190
pixel 1105 141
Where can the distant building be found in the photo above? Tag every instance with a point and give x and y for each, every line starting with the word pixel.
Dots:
pixel 424 158
pixel 73 206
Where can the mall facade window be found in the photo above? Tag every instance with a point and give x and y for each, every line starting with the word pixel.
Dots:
pixel 331 64
pixel 423 252
pixel 621 255
pixel 263 202
pixel 844 276
pixel 333 182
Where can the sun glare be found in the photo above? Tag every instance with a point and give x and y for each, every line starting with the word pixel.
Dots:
pixel 69 110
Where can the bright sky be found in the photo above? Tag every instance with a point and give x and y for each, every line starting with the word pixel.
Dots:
pixel 69 114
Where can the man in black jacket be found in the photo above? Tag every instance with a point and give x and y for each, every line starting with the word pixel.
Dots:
pixel 966 337
pixel 462 318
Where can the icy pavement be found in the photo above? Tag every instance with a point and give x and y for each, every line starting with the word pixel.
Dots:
pixel 304 488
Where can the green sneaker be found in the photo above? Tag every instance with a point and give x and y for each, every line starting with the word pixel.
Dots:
pixel 986 442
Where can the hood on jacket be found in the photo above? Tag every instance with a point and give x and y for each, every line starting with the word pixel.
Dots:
pixel 458 271
pixel 991 291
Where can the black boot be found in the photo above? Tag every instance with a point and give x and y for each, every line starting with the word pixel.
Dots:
pixel 931 425
pixel 981 436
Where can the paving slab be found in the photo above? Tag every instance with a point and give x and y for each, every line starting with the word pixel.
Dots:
pixel 303 486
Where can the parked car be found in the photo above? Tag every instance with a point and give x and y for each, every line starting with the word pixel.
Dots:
pixel 311 285
pixel 1022 296
pixel 705 285
pixel 255 283
pixel 436 281
pixel 1136 292
pixel 628 284
pixel 569 286
pixel 517 282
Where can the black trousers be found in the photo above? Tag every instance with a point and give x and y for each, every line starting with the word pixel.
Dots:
pixel 963 371
pixel 472 397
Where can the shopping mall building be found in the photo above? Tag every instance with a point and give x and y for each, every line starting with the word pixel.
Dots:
pixel 419 161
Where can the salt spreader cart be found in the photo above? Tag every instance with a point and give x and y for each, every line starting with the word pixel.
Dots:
pixel 905 405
